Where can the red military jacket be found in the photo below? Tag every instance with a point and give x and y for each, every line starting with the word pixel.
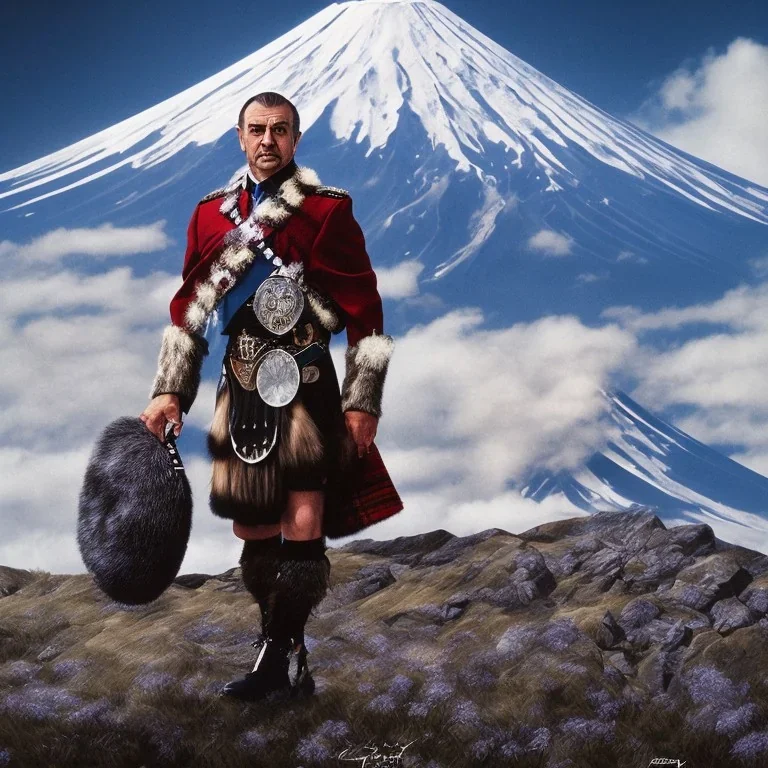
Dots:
pixel 314 225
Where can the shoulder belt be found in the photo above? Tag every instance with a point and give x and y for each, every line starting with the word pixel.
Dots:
pixel 336 192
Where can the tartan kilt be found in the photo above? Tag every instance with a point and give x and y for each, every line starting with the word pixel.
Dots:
pixel 313 442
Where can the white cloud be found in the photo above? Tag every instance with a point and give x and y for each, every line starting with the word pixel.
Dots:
pixel 78 351
pixel 467 410
pixel 717 110
pixel 550 243
pixel 631 256
pixel 103 241
pixel 477 408
pixel 721 375
pixel 399 281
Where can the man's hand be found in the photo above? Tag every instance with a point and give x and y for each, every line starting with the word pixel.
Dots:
pixel 362 427
pixel 161 410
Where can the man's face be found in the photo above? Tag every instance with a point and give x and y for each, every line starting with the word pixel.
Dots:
pixel 267 139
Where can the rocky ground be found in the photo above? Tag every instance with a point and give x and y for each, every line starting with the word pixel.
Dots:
pixel 607 640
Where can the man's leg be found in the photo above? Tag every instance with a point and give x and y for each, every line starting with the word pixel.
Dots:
pixel 301 583
pixel 259 561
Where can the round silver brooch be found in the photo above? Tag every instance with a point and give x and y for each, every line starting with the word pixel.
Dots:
pixel 277 379
pixel 278 304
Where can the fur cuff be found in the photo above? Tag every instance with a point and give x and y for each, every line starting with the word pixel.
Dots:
pixel 367 364
pixel 179 365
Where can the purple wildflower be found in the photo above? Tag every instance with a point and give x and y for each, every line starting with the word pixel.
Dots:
pixel 587 730
pixel 734 721
pixel 465 713
pixel 254 740
pixel 313 751
pixel 93 713
pixel 707 684
pixel 437 691
pixel 400 687
pixel 751 746
pixel 539 741
pixel 67 668
pixel 39 702
pixel 20 672
pixel 382 703
pixel 5 757
pixel 418 709
pixel 153 681
pixel 333 729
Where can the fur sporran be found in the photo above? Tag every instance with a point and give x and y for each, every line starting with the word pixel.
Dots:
pixel 135 513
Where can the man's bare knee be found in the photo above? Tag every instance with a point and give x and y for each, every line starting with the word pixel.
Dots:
pixel 303 516
pixel 252 532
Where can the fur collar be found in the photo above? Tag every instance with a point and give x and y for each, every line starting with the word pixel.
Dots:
pixel 286 191
pixel 290 188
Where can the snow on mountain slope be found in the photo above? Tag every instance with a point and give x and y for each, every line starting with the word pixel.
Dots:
pixel 652 463
pixel 514 194
pixel 365 61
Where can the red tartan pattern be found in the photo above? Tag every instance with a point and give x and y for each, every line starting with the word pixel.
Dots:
pixel 372 500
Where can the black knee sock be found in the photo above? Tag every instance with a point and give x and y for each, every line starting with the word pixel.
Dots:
pixel 302 583
pixel 260 561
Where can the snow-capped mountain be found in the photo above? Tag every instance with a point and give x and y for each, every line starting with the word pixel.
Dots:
pixel 458 154
pixel 517 195
pixel 654 464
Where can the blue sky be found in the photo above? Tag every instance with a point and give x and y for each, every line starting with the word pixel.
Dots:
pixel 73 68
pixel 694 77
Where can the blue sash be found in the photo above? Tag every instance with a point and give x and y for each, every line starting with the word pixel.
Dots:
pixel 259 270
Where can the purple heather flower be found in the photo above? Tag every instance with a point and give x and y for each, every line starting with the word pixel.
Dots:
pixel 751 746
pixel 93 713
pixel 333 729
pixel 707 684
pixel 734 721
pixel 254 740
pixel 400 687
pixel 20 672
pixel 313 751
pixel 438 690
pixel 382 703
pixel 588 730
pixel 152 681
pixel 39 702
pixel 465 713
pixel 418 709
pixel 67 668
pixel 5 757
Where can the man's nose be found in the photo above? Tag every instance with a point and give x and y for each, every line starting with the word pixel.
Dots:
pixel 268 137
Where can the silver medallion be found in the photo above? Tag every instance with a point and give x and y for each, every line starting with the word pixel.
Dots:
pixel 277 379
pixel 278 304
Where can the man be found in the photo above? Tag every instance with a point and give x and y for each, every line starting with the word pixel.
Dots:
pixel 283 261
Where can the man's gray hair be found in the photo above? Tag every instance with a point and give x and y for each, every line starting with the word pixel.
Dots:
pixel 271 99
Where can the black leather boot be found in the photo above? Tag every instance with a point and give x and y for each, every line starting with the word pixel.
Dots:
pixel 301 583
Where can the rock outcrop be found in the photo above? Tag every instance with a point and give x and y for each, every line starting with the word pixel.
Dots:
pixel 600 640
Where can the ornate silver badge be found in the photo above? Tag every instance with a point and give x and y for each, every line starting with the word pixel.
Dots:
pixel 277 378
pixel 278 304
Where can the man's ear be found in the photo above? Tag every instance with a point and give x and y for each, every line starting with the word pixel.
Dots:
pixel 296 140
pixel 240 138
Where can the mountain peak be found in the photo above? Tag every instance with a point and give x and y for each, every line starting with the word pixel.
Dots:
pixel 363 65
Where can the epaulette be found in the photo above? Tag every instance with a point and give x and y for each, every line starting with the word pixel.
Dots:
pixel 213 195
pixel 336 192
